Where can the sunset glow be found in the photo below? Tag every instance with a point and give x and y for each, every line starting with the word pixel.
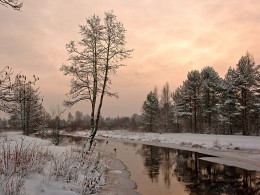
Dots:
pixel 169 38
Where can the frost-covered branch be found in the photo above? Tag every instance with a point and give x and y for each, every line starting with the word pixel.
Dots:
pixel 92 61
pixel 15 4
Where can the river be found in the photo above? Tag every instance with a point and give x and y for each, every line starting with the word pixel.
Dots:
pixel 162 171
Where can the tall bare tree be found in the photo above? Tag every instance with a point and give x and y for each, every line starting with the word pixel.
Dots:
pixel 6 94
pixel 166 106
pixel 15 4
pixel 92 62
pixel 56 115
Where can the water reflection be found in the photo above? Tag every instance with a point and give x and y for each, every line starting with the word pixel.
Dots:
pixel 159 170
pixel 152 161
pixel 201 177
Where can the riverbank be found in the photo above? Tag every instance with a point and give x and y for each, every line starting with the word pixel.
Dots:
pixel 118 180
pixel 245 159
pixel 232 150
pixel 50 169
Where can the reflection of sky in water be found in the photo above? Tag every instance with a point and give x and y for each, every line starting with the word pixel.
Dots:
pixel 163 171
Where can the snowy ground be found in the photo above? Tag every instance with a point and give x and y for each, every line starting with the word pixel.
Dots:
pixel 241 151
pixel 33 166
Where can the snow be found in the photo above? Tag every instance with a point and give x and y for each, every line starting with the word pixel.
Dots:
pixel 230 148
pixel 207 141
pixel 230 163
pixel 48 169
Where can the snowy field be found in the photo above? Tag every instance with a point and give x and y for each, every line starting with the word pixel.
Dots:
pixel 238 150
pixel 207 141
pixel 33 166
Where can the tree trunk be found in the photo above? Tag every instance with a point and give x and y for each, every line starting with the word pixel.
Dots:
pixel 94 130
pixel 195 116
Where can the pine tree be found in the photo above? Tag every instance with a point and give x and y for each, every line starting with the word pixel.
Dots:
pixel 246 74
pixel 191 94
pixel 229 98
pixel 210 94
pixel 180 108
pixel 150 111
pixel 255 113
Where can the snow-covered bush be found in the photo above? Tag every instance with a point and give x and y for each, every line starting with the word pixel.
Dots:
pixel 65 167
pixel 85 170
pixel 216 144
pixel 94 169
pixel 18 160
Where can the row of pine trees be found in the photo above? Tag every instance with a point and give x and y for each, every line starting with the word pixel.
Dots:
pixel 207 103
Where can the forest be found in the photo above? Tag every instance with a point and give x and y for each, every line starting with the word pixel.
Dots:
pixel 207 103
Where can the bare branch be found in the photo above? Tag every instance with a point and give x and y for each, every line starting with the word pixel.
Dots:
pixel 15 4
pixel 92 62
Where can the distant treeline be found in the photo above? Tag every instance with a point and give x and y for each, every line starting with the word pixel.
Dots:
pixel 204 103
pixel 80 121
pixel 207 103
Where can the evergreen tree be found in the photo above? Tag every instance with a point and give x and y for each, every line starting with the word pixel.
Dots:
pixel 246 74
pixel 150 111
pixel 255 116
pixel 180 108
pixel 210 95
pixel 229 109
pixel 191 95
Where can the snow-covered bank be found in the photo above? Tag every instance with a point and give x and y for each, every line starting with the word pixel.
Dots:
pixel 244 150
pixel 32 166
pixel 118 180
pixel 207 141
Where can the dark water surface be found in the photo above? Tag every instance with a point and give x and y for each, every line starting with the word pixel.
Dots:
pixel 163 171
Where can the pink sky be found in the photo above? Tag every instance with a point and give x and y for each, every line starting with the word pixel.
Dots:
pixel 169 38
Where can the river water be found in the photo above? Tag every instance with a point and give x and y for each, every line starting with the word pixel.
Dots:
pixel 162 171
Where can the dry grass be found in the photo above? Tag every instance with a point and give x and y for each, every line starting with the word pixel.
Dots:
pixel 20 159
pixel 69 166
pixel 17 161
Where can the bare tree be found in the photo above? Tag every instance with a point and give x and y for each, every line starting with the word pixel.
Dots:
pixel 92 62
pixel 6 86
pixel 27 104
pixel 19 98
pixel 56 118
pixel 166 105
pixel 15 4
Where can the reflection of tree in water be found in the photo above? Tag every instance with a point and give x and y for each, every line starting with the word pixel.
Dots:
pixel 152 161
pixel 201 177
pixel 156 158
pixel 168 160
pixel 210 178
pixel 74 139
pixel 134 145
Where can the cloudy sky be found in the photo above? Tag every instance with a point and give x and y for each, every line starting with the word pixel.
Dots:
pixel 169 38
